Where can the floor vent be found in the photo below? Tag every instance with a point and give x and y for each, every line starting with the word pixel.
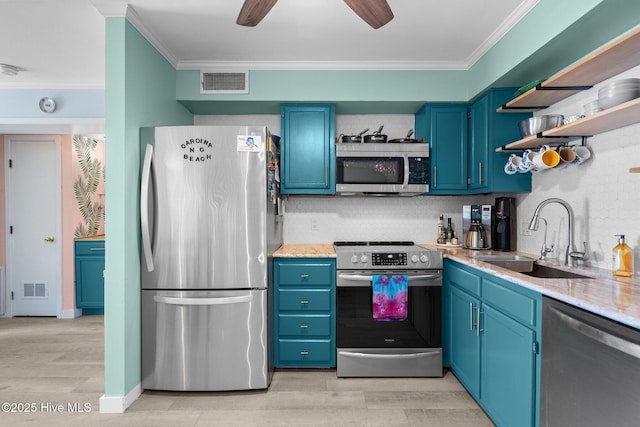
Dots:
pixel 224 82
pixel 34 290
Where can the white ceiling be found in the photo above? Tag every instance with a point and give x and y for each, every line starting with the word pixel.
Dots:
pixel 60 43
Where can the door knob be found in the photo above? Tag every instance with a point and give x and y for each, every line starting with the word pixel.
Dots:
pixel 49 239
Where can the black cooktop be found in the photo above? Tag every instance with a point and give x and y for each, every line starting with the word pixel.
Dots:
pixel 375 243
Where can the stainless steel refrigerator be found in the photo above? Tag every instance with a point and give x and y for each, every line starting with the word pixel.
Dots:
pixel 210 222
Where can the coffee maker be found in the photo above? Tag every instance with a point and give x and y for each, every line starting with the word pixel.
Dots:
pixel 477 226
pixel 505 225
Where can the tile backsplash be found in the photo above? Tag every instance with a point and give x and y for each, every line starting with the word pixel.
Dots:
pixel 604 196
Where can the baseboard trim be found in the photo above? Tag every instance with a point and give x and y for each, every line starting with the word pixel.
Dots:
pixel 119 404
pixel 70 314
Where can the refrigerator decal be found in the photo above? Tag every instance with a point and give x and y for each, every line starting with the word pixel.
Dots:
pixel 250 143
pixel 196 150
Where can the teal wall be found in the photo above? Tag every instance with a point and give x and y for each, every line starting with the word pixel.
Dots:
pixel 550 37
pixel 141 92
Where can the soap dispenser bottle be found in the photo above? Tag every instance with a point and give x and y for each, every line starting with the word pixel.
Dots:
pixel 622 258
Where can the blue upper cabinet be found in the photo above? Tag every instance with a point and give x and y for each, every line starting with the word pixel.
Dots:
pixel 489 130
pixel 308 148
pixel 444 126
pixel 463 139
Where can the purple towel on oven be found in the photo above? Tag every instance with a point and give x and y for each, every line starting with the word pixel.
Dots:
pixel 390 297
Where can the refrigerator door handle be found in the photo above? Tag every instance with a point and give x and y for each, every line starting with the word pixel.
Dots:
pixel 144 207
pixel 203 301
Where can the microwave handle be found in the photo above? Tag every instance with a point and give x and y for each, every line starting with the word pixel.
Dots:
pixel 406 171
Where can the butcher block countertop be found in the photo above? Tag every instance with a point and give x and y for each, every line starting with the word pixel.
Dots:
pixel 604 294
pixel 311 250
pixel 95 237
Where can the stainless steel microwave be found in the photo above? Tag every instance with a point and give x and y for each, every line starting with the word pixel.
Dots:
pixel 379 169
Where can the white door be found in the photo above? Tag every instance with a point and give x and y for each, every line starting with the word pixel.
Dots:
pixel 34 254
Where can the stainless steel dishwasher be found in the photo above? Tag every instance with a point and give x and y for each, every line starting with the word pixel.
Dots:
pixel 590 369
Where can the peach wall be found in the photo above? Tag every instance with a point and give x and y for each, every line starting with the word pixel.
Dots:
pixel 67 205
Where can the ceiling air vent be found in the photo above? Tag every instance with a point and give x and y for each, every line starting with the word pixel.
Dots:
pixel 224 82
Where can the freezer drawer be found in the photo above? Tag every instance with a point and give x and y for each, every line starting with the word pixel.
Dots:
pixel 205 340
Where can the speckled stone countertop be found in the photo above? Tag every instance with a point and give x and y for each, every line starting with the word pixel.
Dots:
pixel 317 250
pixel 604 294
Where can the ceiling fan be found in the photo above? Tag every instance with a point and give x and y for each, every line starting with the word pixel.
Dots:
pixel 374 12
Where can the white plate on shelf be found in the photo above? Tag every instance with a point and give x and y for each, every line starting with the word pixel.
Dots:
pixel 441 245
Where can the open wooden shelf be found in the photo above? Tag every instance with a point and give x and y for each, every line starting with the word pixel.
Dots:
pixel 609 61
pixel 612 118
pixel 634 170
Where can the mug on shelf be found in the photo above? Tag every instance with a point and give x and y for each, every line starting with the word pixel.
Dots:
pixel 513 164
pixel 527 159
pixel 582 154
pixel 546 158
pixel 567 156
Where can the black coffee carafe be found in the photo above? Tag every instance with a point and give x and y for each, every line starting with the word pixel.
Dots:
pixel 505 224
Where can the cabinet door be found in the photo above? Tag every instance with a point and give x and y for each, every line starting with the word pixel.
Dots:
pixel 508 369
pixel 89 282
pixel 463 339
pixel 308 148
pixel 444 126
pixel 479 144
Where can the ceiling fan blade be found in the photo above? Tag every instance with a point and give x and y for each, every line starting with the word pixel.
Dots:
pixel 374 12
pixel 253 11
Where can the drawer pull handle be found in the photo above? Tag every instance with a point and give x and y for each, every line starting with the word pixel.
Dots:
pixel 304 301
pixel 304 276
pixel 304 353
pixel 304 326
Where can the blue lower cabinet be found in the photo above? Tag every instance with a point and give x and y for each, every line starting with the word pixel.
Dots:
pixel 492 329
pixel 304 309
pixel 89 276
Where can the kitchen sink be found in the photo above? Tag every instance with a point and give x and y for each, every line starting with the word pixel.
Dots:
pixel 516 263
pixel 545 272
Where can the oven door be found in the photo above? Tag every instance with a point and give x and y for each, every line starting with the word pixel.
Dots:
pixel 368 347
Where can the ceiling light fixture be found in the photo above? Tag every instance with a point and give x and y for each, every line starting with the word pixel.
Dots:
pixel 8 70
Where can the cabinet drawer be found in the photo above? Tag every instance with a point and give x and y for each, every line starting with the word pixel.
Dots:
pixel 304 300
pixel 516 305
pixel 308 325
pixel 463 279
pixel 93 247
pixel 305 351
pixel 305 274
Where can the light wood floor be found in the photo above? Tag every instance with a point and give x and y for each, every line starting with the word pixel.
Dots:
pixel 47 362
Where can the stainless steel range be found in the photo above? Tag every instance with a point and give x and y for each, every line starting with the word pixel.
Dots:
pixel 371 346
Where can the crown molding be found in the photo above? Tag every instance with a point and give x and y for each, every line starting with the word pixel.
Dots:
pixel 323 65
pixel 501 31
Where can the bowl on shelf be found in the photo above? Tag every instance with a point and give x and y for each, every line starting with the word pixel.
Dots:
pixel 534 125
pixel 618 92
pixel 592 108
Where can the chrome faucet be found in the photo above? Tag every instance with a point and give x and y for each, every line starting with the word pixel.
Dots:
pixel 572 252
pixel 545 250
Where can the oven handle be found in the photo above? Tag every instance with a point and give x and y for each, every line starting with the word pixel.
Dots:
pixel 363 278
pixel 406 171
pixel 388 356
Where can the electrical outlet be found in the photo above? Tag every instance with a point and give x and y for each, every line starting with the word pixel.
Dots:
pixel 314 224
pixel 524 228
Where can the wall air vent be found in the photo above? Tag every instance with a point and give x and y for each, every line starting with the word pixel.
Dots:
pixel 34 290
pixel 224 82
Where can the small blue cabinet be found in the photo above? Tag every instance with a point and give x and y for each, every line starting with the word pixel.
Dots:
pixel 308 149
pixel 89 273
pixel 492 330
pixel 304 312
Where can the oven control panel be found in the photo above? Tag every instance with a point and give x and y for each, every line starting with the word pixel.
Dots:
pixel 390 258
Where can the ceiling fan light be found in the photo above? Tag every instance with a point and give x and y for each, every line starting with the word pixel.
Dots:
pixel 8 70
pixel 374 12
pixel 253 11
